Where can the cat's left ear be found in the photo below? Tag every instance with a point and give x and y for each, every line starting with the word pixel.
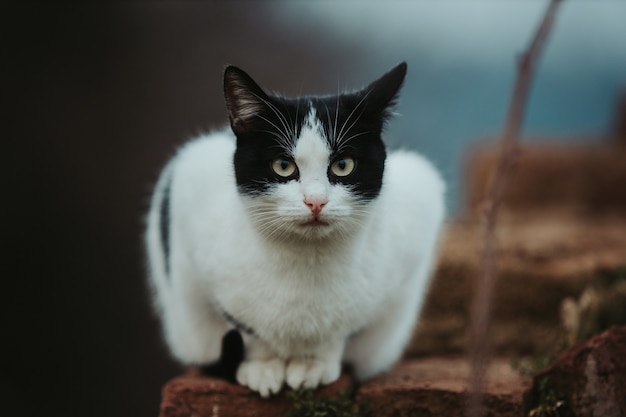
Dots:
pixel 380 96
pixel 244 98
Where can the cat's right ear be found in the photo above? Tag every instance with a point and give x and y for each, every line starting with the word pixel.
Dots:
pixel 245 100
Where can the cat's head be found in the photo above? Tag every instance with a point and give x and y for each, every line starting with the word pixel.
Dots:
pixel 309 167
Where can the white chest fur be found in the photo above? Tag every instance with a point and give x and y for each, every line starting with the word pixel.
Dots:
pixel 293 294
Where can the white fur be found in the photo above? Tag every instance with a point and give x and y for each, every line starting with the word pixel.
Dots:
pixel 314 295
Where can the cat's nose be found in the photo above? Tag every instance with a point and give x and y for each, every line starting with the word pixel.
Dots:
pixel 315 204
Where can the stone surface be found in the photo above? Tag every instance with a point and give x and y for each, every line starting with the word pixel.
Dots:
pixel 438 387
pixel 543 259
pixel 196 395
pixel 588 176
pixel 589 378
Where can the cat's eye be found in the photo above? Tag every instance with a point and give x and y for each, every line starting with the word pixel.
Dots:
pixel 343 166
pixel 284 167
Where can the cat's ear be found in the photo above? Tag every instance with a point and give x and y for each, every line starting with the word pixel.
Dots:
pixel 244 98
pixel 380 96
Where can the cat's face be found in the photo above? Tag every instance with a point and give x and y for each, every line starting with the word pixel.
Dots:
pixel 309 167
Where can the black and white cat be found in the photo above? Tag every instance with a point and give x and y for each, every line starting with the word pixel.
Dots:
pixel 295 233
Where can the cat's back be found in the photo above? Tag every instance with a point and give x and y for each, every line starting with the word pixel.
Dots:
pixel 413 186
pixel 206 161
pixel 412 209
pixel 195 183
pixel 204 199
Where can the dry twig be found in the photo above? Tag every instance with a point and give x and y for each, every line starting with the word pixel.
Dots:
pixel 508 142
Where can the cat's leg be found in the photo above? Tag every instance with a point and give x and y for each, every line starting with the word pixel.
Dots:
pixel 230 358
pixel 193 328
pixel 376 348
pixel 323 367
pixel 262 370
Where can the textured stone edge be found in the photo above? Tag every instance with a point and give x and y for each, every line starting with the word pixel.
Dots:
pixel 196 395
pixel 588 379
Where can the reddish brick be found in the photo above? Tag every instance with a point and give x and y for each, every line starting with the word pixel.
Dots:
pixel 587 175
pixel 589 379
pixel 438 387
pixel 542 260
pixel 196 395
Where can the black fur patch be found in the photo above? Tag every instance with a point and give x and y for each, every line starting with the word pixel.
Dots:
pixel 164 224
pixel 268 126
pixel 239 325
pixel 231 357
pixel 352 132
pixel 264 142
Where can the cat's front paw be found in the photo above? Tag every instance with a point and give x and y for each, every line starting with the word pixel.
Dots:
pixel 309 373
pixel 264 376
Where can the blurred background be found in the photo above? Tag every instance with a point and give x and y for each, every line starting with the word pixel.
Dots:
pixel 97 97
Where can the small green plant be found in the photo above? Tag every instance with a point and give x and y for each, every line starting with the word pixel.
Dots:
pixel 305 405
pixel 550 403
pixel 601 305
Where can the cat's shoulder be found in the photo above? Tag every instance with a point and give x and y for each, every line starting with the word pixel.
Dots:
pixel 407 170
pixel 414 197
pixel 213 145
pixel 205 161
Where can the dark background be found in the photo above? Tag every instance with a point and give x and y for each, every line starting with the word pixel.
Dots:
pixel 95 99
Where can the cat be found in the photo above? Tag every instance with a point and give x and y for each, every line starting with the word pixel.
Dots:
pixel 290 242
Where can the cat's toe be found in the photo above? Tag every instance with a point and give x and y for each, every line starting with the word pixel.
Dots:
pixel 314 375
pixel 296 373
pixel 310 373
pixel 331 373
pixel 265 377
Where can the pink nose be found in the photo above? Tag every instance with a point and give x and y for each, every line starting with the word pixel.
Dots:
pixel 316 205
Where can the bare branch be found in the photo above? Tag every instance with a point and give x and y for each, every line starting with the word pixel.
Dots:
pixel 508 141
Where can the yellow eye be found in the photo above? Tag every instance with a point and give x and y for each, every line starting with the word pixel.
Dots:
pixel 284 167
pixel 343 166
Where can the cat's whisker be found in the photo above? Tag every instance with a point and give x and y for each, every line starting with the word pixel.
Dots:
pixel 275 229
pixel 356 135
pixel 344 143
pixel 336 115
pixel 285 139
pixel 341 137
pixel 331 134
pixel 266 223
pixel 297 112
pixel 351 114
pixel 279 136
pixel 255 213
pixel 280 115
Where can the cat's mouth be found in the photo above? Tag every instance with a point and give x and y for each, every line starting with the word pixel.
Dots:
pixel 315 223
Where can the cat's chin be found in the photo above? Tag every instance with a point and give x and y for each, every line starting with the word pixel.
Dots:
pixel 313 230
